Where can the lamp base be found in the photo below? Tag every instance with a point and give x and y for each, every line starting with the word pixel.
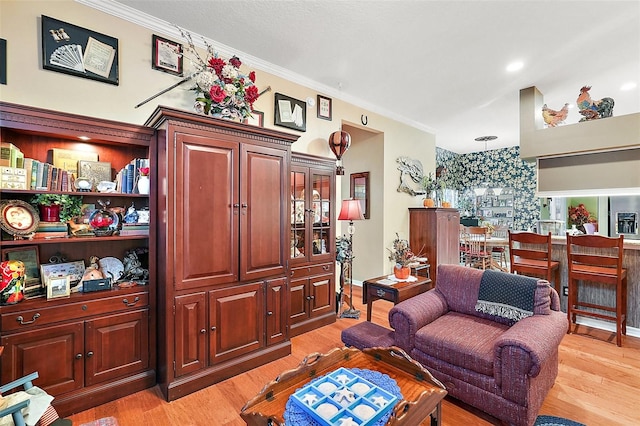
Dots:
pixel 350 313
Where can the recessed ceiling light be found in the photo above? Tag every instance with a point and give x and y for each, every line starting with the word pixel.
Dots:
pixel 630 85
pixel 84 138
pixel 515 66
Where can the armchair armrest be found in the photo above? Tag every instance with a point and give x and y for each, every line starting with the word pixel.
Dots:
pixel 409 316
pixel 538 336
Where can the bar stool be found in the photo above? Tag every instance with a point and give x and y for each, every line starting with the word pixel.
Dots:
pixel 597 259
pixel 532 256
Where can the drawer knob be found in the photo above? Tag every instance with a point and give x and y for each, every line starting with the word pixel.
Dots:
pixel 126 301
pixel 269 313
pixel 84 307
pixel 380 292
pixel 326 267
pixel 21 320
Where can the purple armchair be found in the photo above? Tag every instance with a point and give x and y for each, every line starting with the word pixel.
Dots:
pixel 500 367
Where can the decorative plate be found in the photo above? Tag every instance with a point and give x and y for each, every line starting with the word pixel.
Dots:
pixel 18 217
pixel 111 267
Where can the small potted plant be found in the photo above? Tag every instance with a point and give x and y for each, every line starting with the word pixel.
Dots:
pixel 403 258
pixel 57 207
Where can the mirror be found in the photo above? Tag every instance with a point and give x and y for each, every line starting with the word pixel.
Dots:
pixel 360 191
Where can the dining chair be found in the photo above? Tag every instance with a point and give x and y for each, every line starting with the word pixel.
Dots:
pixel 476 253
pixel 598 259
pixel 499 253
pixel 530 254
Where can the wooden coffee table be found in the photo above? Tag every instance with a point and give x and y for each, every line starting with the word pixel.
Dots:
pixel 422 393
pixel 373 289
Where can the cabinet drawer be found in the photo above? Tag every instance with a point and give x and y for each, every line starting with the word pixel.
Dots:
pixel 48 315
pixel 306 271
pixel 381 293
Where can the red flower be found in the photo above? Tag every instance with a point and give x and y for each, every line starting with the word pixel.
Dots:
pixel 251 94
pixel 235 61
pixel 217 93
pixel 144 171
pixel 252 76
pixel 217 64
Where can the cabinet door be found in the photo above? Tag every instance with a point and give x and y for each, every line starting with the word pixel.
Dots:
pixel 263 193
pixel 206 211
pixel 298 300
pixel 299 234
pixel 236 320
pixel 116 346
pixel 56 353
pixel 276 310
pixel 321 213
pixel 322 295
pixel 190 333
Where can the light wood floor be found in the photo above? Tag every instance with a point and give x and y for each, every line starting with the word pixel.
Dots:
pixel 598 384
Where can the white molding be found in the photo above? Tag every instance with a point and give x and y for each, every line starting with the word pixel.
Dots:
pixel 606 325
pixel 168 29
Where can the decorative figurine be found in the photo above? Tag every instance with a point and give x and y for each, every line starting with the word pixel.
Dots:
pixel 553 117
pixel 93 271
pixel 133 269
pixel 132 215
pixel 592 110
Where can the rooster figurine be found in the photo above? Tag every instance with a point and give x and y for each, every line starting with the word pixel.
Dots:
pixel 553 117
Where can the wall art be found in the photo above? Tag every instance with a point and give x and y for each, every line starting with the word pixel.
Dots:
pixel 73 50
pixel 290 112
pixel 166 55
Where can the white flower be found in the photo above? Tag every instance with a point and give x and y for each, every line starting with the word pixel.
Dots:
pixel 205 80
pixel 230 89
pixel 229 71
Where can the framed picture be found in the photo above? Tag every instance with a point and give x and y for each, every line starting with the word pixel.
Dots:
pixel 360 191
pixel 3 61
pixel 18 218
pixel 94 171
pixel 166 55
pixel 627 223
pixel 77 51
pixel 290 113
pixel 257 120
pixel 58 287
pixel 324 107
pixel 28 255
pixel 73 270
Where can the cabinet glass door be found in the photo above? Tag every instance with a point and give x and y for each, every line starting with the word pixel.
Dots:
pixel 298 214
pixel 321 214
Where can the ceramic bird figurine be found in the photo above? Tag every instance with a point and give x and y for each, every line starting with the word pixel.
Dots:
pixel 553 117
pixel 592 110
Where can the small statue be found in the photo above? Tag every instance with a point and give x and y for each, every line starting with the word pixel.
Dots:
pixel 592 110
pixel 133 269
pixel 132 215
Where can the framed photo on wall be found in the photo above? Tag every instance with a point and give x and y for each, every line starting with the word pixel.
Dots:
pixel 360 191
pixel 166 55
pixel 324 107
pixel 290 113
pixel 73 50
pixel 257 120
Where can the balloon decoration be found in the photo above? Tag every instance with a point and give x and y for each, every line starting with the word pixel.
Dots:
pixel 339 142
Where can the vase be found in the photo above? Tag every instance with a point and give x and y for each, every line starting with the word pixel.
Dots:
pixel 402 272
pixel 50 213
pixel 143 185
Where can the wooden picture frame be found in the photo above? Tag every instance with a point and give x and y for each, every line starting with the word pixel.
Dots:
pixel 80 52
pixel 257 120
pixel 166 55
pixel 290 112
pixel 67 159
pixel 18 218
pixel 58 287
pixel 359 190
pixel 94 171
pixel 324 107
pixel 30 256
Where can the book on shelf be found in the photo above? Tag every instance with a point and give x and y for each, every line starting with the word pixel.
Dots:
pixel 127 177
pixel 51 227
pixel 9 154
pixel 129 232
pixel 49 235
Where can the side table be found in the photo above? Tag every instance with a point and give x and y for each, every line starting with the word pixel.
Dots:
pixel 378 288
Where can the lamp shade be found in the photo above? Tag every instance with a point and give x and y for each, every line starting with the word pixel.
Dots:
pixel 350 210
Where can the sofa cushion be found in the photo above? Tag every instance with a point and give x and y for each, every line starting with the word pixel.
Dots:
pixel 448 338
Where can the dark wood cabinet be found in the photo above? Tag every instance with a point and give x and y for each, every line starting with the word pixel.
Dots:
pixel 89 348
pixel 223 241
pixel 435 231
pixel 312 243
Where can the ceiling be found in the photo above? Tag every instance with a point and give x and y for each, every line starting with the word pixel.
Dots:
pixel 436 65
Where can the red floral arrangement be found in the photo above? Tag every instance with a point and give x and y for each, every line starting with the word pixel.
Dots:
pixel 144 171
pixel 223 90
pixel 579 215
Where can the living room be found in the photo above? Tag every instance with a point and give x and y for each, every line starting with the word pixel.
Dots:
pixel 377 142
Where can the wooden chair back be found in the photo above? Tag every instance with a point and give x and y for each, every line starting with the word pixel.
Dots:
pixel 530 254
pixel 595 256
pixel 476 253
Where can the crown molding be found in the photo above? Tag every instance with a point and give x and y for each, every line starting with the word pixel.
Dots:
pixel 168 29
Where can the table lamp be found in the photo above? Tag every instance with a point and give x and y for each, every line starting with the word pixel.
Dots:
pixel 350 211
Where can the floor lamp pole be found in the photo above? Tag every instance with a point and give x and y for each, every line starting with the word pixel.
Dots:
pixel 351 312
